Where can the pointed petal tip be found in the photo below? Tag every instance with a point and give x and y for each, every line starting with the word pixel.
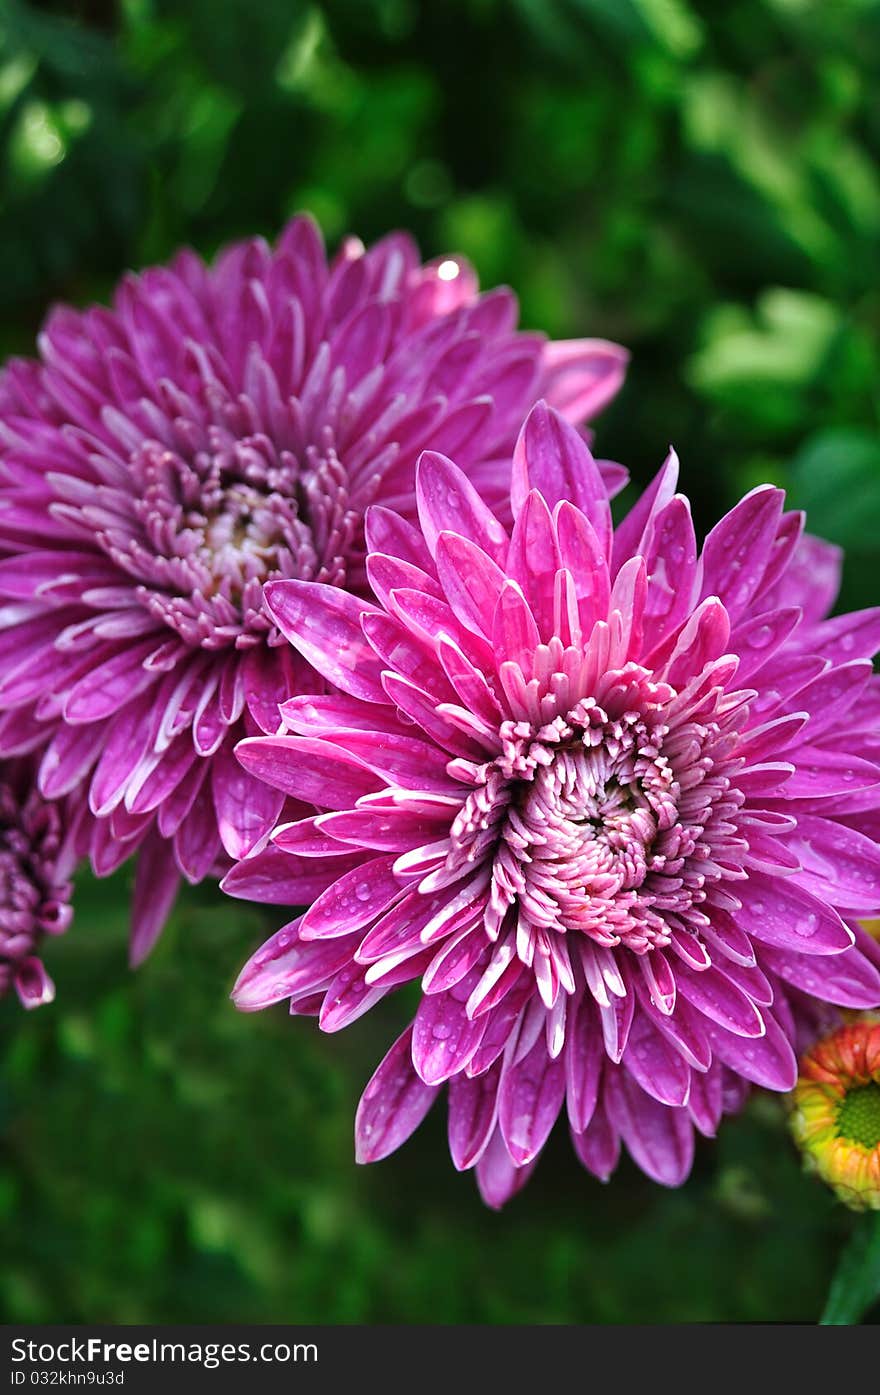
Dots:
pixel 33 985
pixel 581 376
pixel 140 947
pixel 245 994
pixel 275 592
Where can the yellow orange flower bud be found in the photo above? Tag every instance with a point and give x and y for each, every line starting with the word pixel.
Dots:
pixel 836 1112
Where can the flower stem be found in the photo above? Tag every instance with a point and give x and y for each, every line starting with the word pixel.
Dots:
pixel 856 1283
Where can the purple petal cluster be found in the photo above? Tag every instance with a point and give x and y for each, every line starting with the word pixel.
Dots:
pixel 216 428
pixel 37 857
pixel 610 798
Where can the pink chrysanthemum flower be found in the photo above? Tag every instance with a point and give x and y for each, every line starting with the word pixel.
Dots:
pixel 609 798
pixel 37 858
pixel 217 427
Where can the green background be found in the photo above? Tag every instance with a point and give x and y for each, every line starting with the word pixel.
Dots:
pixel 698 181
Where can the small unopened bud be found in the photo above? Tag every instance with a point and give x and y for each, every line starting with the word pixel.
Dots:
pixel 836 1112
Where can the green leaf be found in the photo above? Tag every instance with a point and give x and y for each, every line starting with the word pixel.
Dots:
pixel 856 1285
pixel 836 478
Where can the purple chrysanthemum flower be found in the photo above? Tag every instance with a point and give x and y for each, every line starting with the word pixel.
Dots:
pixel 611 799
pixel 215 428
pixel 37 858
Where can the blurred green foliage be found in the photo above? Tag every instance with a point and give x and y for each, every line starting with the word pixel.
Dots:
pixel 697 180
pixel 169 1159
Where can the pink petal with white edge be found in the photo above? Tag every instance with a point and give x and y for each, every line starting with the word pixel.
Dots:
pixel 737 551
pixel 447 501
pixel 553 458
pixel 32 983
pixel 444 1037
pixel 583 1064
pixel 127 740
pixel 529 1100
pixel 308 715
pixel 847 980
pixel 630 535
pixel 659 1139
pixel 598 1146
pixel 406 654
pixel 104 690
pixel 353 900
pixel 157 881
pixel 468 682
pixel 670 552
pixel 498 1177
pixel 785 914
pixel 197 847
pixel 386 574
pixel 279 879
pixel 656 1065
pixel 812 579
pixel 247 809
pixel 534 559
pixel 393 1104
pixel 324 624
pixel 347 998
pixel 284 967
pixel 471 582
pixel 311 770
pixel 840 864
pixel 769 1062
pixel 405 761
pixel 583 556
pixel 472 1114
pixel 581 376
pixel 719 1000
pixel 387 532
pixel 69 756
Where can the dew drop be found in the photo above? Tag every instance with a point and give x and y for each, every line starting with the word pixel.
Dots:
pixel 806 926
pixel 761 637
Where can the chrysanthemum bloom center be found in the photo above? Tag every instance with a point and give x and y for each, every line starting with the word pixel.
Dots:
pixel 596 821
pixel 858 1118
pixel 220 520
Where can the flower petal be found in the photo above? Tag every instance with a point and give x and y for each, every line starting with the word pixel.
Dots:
pixel 393 1104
